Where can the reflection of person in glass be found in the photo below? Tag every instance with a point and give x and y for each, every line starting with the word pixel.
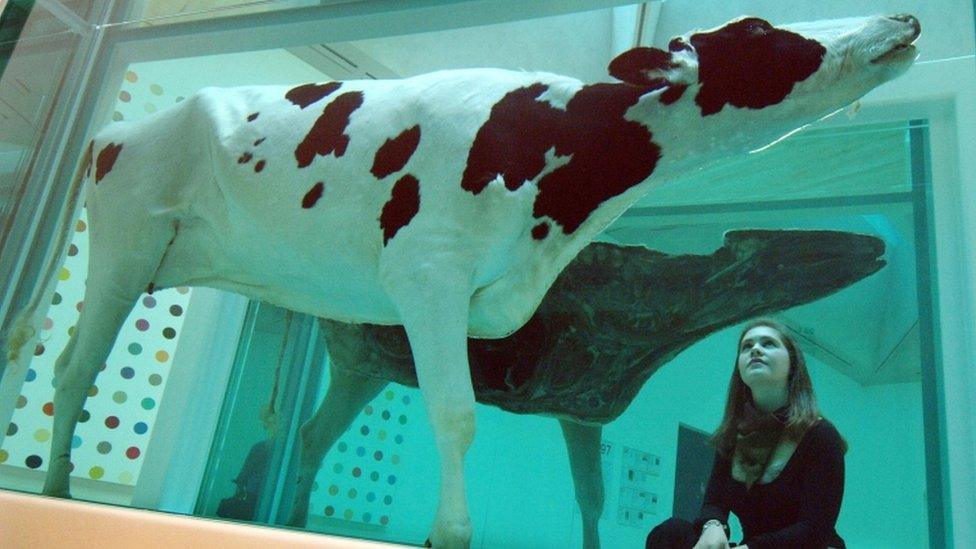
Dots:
pixel 779 466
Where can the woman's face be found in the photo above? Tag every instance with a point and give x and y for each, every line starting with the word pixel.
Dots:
pixel 763 358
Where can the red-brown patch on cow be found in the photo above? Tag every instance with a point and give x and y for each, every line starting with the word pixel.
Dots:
pixel 313 195
pixel 245 158
pixel 259 166
pixel 307 94
pixel 328 136
pixel 106 160
pixel 540 231
pixel 394 154
pixel 404 203
pixel 608 153
pixel 253 117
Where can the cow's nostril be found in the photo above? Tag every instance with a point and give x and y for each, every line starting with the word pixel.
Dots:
pixel 908 18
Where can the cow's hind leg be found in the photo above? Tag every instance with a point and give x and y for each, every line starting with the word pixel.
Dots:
pixel 347 394
pixel 105 310
pixel 583 445
pixel 433 301
pixel 119 271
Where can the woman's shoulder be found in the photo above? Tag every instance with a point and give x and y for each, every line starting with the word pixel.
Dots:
pixel 823 433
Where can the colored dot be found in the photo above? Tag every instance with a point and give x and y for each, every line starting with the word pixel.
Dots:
pixel 398 439
pixel 39 350
pixel 33 461
pixel 352 493
pixel 125 477
pixel 31 374
pixel 343 447
pixel 378 456
pixel 368 410
pixel 329 511
pixel 71 330
pixel 357 472
pixel 348 514
pixel 4 456
pixel 12 429
pixel 42 435
pixel 142 325
pixel 182 290
pixel 84 417
pixel 149 107
pixel 57 299
pixel 156 89
pixel 169 333
pixel 337 468
pixel 125 96
pixel 149 302
pixel 48 408
pixel 162 356
pixel 135 349
pixel 75 441
pixel 180 99
pixel 387 500
pixel 403 420
pixel 140 428
pixel 112 422
pixel 371 497
pixel 119 397
pixel 374 476
pixel 104 447
pixel 381 435
pixel 132 452
pixel 48 324
pixel 385 414
pixel 117 116
pixel 367 517
pixel 155 380
pixel 81 226
pixel 391 479
pixel 395 459
pixel 406 399
pixel 21 401
pixel 360 451
pixel 127 372
pixel 72 250
pixel 384 520
pixel 96 473
pixel 93 391
pixel 148 403
pixel 259 166
pixel 389 395
pixel 65 274
pixel 131 76
pixel 175 310
pixel 364 430
pixel 333 490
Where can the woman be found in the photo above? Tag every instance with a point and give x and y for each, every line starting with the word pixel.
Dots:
pixel 779 465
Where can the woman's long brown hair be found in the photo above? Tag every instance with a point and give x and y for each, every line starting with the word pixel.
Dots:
pixel 802 404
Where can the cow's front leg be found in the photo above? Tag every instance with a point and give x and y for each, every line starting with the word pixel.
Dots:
pixel 348 393
pixel 583 445
pixel 433 302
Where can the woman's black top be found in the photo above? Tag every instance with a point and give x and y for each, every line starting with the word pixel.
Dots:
pixel 799 508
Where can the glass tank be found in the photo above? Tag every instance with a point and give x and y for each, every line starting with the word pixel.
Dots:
pixel 593 419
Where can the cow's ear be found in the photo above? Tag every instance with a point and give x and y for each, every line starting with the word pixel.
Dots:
pixel 641 66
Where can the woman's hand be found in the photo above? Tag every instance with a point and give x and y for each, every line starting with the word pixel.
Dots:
pixel 712 538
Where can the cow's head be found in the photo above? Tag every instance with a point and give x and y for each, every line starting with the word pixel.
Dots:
pixel 792 73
